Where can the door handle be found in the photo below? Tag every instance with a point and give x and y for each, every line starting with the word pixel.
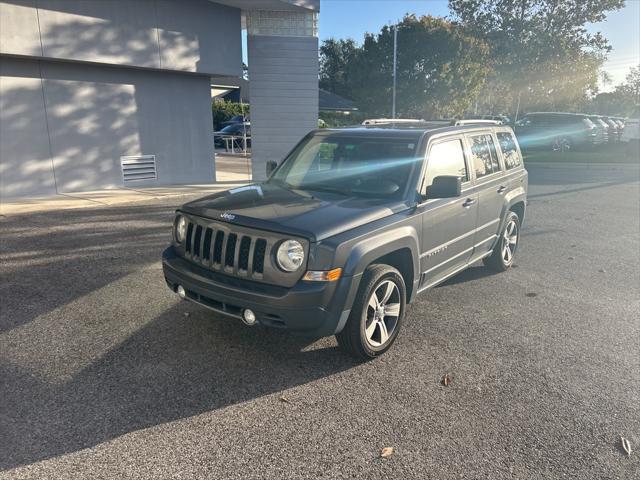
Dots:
pixel 468 202
pixel 502 189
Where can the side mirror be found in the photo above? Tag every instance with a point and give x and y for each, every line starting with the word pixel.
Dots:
pixel 271 166
pixel 445 186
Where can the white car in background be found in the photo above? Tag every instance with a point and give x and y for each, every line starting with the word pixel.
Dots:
pixel 631 131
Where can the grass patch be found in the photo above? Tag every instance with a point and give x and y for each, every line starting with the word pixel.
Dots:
pixel 617 153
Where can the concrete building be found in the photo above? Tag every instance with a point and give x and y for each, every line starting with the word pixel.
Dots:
pixel 104 94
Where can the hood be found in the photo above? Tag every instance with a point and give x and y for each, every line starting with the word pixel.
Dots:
pixel 313 215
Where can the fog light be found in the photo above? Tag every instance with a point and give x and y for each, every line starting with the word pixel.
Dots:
pixel 181 292
pixel 248 317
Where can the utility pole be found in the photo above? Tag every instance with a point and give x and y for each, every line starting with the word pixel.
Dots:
pixel 395 60
pixel 517 107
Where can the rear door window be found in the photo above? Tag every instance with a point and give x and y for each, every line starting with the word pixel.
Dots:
pixel 509 150
pixel 484 155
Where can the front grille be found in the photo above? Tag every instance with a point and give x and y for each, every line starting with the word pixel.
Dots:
pixel 217 248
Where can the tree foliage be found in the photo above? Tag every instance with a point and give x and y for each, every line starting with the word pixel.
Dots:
pixel 223 110
pixel 541 50
pixel 622 100
pixel 440 68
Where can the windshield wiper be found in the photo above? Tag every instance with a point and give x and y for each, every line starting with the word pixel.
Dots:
pixel 320 188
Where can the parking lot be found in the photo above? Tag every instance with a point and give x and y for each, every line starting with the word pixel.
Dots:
pixel 105 373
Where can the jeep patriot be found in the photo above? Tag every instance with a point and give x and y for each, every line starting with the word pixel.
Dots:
pixel 350 227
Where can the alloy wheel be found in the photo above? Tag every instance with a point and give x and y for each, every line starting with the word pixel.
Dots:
pixel 509 241
pixel 383 311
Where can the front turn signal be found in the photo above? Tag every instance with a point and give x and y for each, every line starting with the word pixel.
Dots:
pixel 323 275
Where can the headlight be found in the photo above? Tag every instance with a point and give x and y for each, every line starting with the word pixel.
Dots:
pixel 181 228
pixel 290 255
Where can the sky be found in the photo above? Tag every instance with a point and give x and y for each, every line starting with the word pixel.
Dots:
pixel 353 18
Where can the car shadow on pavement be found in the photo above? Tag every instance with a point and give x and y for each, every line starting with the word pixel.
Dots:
pixel 468 275
pixel 186 362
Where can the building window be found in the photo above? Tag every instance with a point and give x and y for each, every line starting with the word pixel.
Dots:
pixel 286 24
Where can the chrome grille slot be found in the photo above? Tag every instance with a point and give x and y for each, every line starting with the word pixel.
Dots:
pixel 258 255
pixel 187 243
pixel 217 248
pixel 196 241
pixel 243 256
pixel 206 245
pixel 230 250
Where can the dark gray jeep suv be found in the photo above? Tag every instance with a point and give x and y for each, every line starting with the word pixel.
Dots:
pixel 350 227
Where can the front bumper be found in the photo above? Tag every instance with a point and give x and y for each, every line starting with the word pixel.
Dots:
pixel 311 308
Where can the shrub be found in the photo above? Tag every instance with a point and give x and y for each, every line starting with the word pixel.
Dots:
pixel 223 111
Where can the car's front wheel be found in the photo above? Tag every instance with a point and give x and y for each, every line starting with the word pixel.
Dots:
pixel 376 315
pixel 504 251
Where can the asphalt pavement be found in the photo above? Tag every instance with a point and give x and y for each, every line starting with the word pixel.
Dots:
pixel 104 373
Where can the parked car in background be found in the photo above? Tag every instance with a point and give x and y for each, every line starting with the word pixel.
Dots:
pixel 620 122
pixel 556 130
pixel 631 132
pixel 234 120
pixel 614 132
pixel 505 120
pixel 602 130
pixel 236 133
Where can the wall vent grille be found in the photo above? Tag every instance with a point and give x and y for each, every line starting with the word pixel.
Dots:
pixel 142 167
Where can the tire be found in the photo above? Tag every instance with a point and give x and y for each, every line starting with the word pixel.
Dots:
pixel 500 260
pixel 368 332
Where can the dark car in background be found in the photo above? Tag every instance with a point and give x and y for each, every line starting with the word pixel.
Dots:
pixel 236 119
pixel 236 133
pixel 557 130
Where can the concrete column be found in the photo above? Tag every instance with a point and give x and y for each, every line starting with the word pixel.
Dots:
pixel 283 71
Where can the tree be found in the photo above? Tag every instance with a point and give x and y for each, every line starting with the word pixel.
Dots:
pixel 622 100
pixel 335 58
pixel 540 49
pixel 440 69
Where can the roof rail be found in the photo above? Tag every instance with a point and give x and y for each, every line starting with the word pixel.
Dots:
pixel 386 121
pixel 478 122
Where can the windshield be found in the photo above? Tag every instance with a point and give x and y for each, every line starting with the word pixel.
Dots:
pixel 359 166
pixel 234 128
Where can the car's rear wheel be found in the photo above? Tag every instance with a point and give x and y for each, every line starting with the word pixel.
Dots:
pixel 376 315
pixel 504 251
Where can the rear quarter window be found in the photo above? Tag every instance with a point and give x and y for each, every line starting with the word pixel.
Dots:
pixel 484 155
pixel 509 150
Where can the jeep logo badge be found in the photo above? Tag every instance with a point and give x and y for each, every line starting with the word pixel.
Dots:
pixel 227 216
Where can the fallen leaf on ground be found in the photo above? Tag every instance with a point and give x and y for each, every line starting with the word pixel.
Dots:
pixel 447 380
pixel 626 446
pixel 386 452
